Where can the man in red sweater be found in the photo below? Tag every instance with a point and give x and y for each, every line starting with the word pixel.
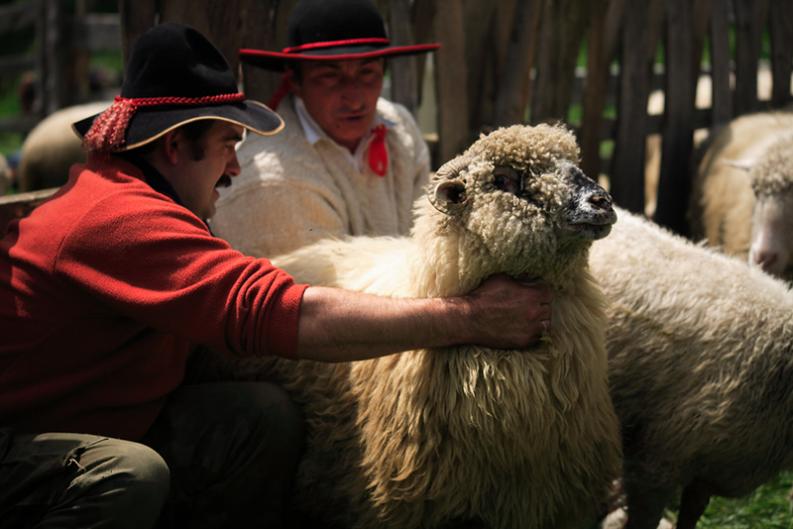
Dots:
pixel 106 289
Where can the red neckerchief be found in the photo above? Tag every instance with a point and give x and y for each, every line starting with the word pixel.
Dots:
pixel 378 154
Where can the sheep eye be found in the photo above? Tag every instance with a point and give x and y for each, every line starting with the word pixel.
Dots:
pixel 508 180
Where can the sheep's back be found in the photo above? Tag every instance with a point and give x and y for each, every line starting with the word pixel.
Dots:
pixel 699 347
pixel 52 147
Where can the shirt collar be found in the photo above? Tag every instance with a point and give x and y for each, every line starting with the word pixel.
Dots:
pixel 314 133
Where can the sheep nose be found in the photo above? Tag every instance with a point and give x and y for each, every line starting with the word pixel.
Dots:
pixel 600 200
pixel 765 258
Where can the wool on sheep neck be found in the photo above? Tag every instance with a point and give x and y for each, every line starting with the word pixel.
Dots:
pixel 515 438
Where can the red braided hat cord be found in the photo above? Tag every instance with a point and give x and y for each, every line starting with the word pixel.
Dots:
pixel 109 129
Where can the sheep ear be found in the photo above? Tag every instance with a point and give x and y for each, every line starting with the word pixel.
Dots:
pixel 449 196
pixel 744 164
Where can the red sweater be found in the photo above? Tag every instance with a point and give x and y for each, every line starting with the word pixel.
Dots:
pixel 104 290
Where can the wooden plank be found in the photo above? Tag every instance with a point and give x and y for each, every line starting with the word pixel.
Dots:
pixel 721 103
pixel 602 39
pixel 478 55
pixel 513 81
pixel 781 30
pixel 404 88
pixel 98 32
pixel 423 21
pixel 11 65
pixel 750 17
pixel 20 124
pixel 18 206
pixel 451 76
pixel 638 48
pixel 136 17
pixel 564 25
pixel 18 16
pixel 674 183
pixel 264 27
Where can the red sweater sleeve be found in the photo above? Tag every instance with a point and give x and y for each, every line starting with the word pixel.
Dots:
pixel 156 262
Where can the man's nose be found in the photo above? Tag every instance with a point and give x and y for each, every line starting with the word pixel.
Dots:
pixel 233 167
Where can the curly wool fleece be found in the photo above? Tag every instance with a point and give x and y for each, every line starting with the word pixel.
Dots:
pixel 773 173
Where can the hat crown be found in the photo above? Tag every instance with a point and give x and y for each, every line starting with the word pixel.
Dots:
pixel 317 21
pixel 173 60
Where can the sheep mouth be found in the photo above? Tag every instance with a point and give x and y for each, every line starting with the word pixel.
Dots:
pixel 591 232
pixel 593 227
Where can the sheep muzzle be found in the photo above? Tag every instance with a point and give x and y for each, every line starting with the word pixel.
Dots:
pixel 590 212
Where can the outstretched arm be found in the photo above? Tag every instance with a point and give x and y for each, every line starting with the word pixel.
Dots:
pixel 338 325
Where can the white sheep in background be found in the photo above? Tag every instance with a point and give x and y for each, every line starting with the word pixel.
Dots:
pixel 52 147
pixel 742 196
pixel 5 175
pixel 700 368
pixel 509 439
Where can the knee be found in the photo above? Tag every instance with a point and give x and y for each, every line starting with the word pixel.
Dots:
pixel 145 471
pixel 134 474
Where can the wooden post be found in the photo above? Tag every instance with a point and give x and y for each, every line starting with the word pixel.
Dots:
pixel 750 17
pixel 53 57
pixel 513 80
pixel 674 183
pixel 136 17
pixel 563 29
pixel 404 86
pixel 601 40
pixel 722 105
pixel 451 74
pixel 781 26
pixel 638 49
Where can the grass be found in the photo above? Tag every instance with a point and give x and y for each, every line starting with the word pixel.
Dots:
pixel 768 507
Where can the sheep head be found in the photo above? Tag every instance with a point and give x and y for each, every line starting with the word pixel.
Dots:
pixel 516 202
pixel 772 218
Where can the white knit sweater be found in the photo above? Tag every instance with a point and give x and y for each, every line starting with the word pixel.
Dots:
pixel 292 193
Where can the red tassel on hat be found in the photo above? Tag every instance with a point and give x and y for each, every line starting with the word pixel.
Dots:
pixel 108 129
pixel 378 154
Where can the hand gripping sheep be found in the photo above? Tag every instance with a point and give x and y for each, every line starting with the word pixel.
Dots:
pixel 700 368
pixel 507 439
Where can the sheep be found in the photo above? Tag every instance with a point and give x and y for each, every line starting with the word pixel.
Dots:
pixel 700 369
pixel 702 100
pixel 741 198
pixel 52 147
pixel 506 439
pixel 5 175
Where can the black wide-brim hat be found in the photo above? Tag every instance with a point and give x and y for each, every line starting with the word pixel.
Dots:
pixel 332 30
pixel 174 76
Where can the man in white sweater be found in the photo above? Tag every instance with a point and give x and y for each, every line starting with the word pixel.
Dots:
pixel 348 162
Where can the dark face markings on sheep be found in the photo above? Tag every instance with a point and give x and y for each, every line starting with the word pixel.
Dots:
pixel 590 212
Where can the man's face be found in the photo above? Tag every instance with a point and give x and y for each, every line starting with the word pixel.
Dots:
pixel 196 180
pixel 341 96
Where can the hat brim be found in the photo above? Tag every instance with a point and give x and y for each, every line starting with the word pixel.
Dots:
pixel 150 123
pixel 277 60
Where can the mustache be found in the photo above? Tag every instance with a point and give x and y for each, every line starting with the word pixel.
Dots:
pixel 224 181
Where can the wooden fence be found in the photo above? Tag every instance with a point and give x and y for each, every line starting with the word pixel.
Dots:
pixel 63 40
pixel 516 60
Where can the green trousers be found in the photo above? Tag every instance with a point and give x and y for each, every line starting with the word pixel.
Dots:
pixel 219 455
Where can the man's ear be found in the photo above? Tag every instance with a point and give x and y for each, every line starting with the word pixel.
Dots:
pixel 172 143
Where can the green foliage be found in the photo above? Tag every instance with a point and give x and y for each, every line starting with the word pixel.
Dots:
pixel 768 507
